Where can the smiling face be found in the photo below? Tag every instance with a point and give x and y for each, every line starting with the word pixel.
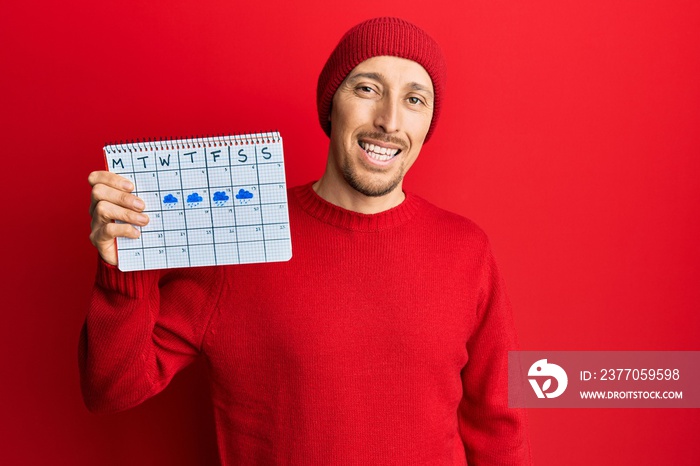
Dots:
pixel 380 116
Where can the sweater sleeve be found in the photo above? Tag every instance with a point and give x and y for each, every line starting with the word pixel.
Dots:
pixel 140 330
pixel 493 433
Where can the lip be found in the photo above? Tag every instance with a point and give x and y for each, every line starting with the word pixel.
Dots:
pixel 377 158
pixel 379 143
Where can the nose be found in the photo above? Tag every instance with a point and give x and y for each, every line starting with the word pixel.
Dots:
pixel 388 117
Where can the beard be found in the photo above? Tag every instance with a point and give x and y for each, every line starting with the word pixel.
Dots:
pixel 368 186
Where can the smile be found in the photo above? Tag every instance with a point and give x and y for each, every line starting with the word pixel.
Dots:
pixel 381 154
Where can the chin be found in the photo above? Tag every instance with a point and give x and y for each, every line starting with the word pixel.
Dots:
pixel 370 187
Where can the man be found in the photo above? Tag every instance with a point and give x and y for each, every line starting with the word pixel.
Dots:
pixel 386 339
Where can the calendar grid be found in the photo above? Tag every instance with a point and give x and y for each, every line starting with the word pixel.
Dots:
pixel 262 219
pixel 230 173
pixel 223 201
pixel 179 166
pixel 131 155
pixel 211 213
pixel 165 239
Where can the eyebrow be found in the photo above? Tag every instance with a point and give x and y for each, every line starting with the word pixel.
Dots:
pixel 420 87
pixel 375 76
pixel 379 77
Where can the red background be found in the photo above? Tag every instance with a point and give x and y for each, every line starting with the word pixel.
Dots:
pixel 570 133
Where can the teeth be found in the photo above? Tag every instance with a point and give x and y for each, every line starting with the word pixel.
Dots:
pixel 378 153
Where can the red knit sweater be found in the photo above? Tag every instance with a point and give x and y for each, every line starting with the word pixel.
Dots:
pixel 383 341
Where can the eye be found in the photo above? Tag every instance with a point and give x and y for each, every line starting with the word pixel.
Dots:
pixel 364 89
pixel 413 100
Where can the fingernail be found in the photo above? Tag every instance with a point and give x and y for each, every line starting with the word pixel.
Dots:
pixel 138 203
pixel 127 186
pixel 142 218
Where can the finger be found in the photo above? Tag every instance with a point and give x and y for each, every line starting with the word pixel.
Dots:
pixel 103 192
pixel 103 239
pixel 109 231
pixel 110 179
pixel 106 212
pixel 109 254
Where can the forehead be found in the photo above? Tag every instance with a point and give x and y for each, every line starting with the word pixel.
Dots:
pixel 398 71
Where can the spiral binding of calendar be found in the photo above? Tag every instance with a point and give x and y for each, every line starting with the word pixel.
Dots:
pixel 138 145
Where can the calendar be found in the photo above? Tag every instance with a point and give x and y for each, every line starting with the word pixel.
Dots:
pixel 211 201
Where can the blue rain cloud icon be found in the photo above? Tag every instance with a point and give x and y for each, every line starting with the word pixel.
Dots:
pixel 194 197
pixel 243 194
pixel 169 199
pixel 220 196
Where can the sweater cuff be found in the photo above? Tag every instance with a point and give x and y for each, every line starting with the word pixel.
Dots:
pixel 133 284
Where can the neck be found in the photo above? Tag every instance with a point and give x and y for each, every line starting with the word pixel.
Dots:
pixel 343 195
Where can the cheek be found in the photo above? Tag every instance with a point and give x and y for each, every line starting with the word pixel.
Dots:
pixel 418 129
pixel 355 114
pixel 415 150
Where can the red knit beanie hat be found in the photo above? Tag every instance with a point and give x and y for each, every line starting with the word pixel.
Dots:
pixel 380 36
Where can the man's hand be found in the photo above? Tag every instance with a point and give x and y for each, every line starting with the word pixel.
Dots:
pixel 112 200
